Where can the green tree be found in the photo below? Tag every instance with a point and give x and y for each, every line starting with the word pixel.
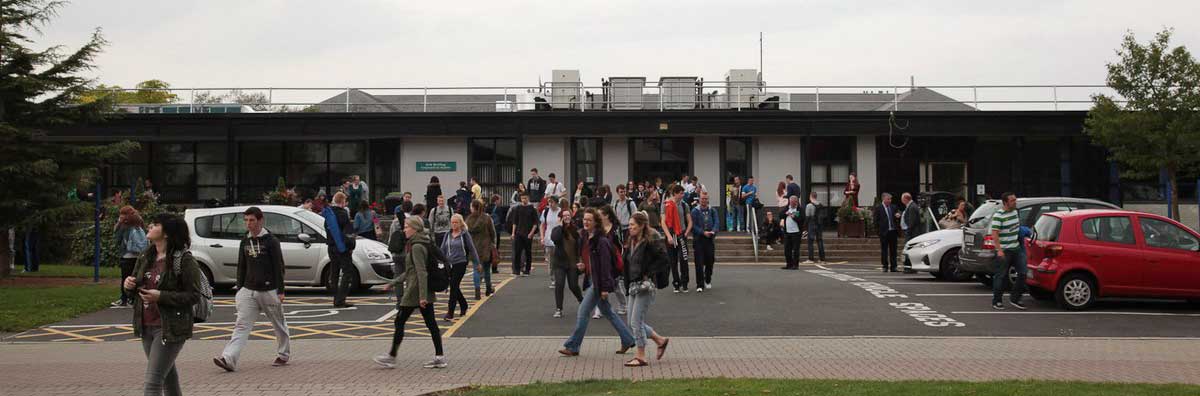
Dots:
pixel 147 92
pixel 39 89
pixel 1157 127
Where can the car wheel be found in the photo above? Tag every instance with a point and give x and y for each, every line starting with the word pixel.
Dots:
pixel 949 267
pixel 1012 278
pixel 1040 295
pixel 1076 292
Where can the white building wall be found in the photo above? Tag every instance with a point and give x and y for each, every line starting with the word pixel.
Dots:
pixel 614 161
pixel 867 170
pixel 547 154
pixel 774 158
pixel 413 150
pixel 707 166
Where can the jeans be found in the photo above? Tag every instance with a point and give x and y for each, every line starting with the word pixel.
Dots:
pixel 640 299
pixel 249 304
pixel 739 217
pixel 814 233
pixel 457 271
pixel 484 269
pixel 127 265
pixel 679 263
pixel 430 323
pixel 591 299
pixel 564 278
pixel 1014 258
pixel 791 249
pixel 705 257
pixel 522 254
pixel 340 262
pixel 162 377
pixel 619 301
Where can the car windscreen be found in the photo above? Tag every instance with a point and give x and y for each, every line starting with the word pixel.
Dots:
pixel 1047 228
pixel 311 217
pixel 983 216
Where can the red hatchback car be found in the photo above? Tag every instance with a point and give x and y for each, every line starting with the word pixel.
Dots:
pixel 1079 256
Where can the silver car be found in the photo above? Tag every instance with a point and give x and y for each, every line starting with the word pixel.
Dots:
pixel 217 234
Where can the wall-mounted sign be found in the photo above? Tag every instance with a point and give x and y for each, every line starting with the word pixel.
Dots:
pixel 980 190
pixel 437 166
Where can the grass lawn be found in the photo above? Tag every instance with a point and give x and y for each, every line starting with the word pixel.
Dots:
pixel 23 307
pixel 729 387
pixel 69 271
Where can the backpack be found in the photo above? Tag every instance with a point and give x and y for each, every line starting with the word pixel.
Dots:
pixel 203 308
pixel 437 269
pixel 660 268
pixel 136 241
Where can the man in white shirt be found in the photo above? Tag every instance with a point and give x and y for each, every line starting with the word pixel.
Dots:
pixel 555 190
pixel 549 220
pixel 791 218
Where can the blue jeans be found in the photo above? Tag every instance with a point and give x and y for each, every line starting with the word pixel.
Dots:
pixel 591 299
pixel 739 217
pixel 639 303
pixel 1014 258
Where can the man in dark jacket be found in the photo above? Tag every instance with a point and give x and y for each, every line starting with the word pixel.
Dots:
pixel 535 187
pixel 341 249
pixel 260 289
pixel 704 235
pixel 887 218
pixel 523 220
pixel 792 189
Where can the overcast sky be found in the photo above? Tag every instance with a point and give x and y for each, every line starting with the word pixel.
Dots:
pixel 415 43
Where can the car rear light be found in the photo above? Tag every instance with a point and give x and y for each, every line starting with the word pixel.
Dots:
pixel 1053 251
pixel 989 243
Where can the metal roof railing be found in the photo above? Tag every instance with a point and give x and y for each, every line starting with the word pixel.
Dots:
pixel 705 95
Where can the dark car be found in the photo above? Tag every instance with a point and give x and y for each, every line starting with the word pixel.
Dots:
pixel 976 259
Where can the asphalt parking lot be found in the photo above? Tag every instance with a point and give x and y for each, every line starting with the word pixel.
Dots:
pixel 834 300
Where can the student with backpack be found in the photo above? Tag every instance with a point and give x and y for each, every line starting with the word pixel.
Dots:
pixel 646 260
pixel 562 263
pixel 548 221
pixel 260 289
pixel 418 293
pixel 458 248
pixel 131 242
pixel 167 285
pixel 600 267
pixel 439 220
pixel 624 207
pixel 608 225
pixel 812 222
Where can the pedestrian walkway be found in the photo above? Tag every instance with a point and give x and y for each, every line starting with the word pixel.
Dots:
pixel 343 367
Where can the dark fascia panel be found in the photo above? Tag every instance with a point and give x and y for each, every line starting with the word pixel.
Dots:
pixel 324 126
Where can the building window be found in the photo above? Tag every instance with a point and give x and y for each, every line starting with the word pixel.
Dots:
pixel 124 174
pixel 496 163
pixel 312 168
pixel 188 172
pixel 665 158
pixel 950 177
pixel 829 169
pixel 385 171
pixel 260 166
pixel 586 163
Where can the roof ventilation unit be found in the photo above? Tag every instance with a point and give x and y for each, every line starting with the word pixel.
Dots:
pixel 743 88
pixel 679 93
pixel 625 93
pixel 566 92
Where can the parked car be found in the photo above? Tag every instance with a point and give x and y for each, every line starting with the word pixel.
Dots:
pixel 936 252
pixel 1077 257
pixel 217 232
pixel 976 255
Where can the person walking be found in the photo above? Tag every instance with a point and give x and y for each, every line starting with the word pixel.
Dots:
pixel 600 268
pixel 439 220
pixel 364 221
pixel 462 199
pixel 165 284
pixel 499 214
pixel 750 199
pixel 396 243
pixel 886 219
pixel 358 194
pixel 562 262
pixel 131 242
pixel 555 191
pixel 704 235
pixel 674 224
pixel 260 290
pixel 417 295
pixel 548 219
pixel 535 187
pixel 524 221
pixel 458 248
pixel 624 207
pixel 341 251
pixel 653 209
pixel 476 189
pixel 483 234
pixel 1010 253
pixel 812 223
pixel 791 217
pixel 432 192
pixel 737 205
pixel 645 256
pixel 608 225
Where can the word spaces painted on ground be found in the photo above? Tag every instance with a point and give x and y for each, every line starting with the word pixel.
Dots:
pixel 920 312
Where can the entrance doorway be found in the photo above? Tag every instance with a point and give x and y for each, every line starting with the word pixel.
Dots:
pixel 666 158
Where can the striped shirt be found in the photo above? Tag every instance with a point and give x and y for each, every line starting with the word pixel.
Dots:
pixel 1009 226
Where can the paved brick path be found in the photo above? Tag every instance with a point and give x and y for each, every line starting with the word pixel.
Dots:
pixel 323 367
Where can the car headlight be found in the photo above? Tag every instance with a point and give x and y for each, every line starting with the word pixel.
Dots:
pixel 925 244
pixel 378 256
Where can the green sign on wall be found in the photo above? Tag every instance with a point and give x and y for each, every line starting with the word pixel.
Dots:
pixel 437 166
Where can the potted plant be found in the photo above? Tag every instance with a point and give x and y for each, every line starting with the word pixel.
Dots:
pixel 851 222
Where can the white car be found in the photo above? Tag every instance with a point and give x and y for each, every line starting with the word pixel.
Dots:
pixel 936 252
pixel 217 234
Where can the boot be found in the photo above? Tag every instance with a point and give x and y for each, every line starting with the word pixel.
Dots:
pixel 476 294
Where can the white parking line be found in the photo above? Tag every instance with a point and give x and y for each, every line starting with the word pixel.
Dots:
pixel 1073 313
pixel 931 283
pixel 954 295
pixel 387 316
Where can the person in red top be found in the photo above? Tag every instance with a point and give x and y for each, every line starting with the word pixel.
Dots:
pixel 673 224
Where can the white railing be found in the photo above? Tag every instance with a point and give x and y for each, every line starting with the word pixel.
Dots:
pixel 704 95
pixel 752 225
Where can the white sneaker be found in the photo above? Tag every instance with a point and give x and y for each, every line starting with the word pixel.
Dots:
pixel 595 313
pixel 621 312
pixel 807 262
pixel 385 360
pixel 708 285
pixel 677 290
pixel 558 313
pixel 437 362
pixel 551 284
pixel 769 248
pixel 699 290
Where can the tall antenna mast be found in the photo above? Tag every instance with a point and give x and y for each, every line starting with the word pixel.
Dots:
pixel 760 57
